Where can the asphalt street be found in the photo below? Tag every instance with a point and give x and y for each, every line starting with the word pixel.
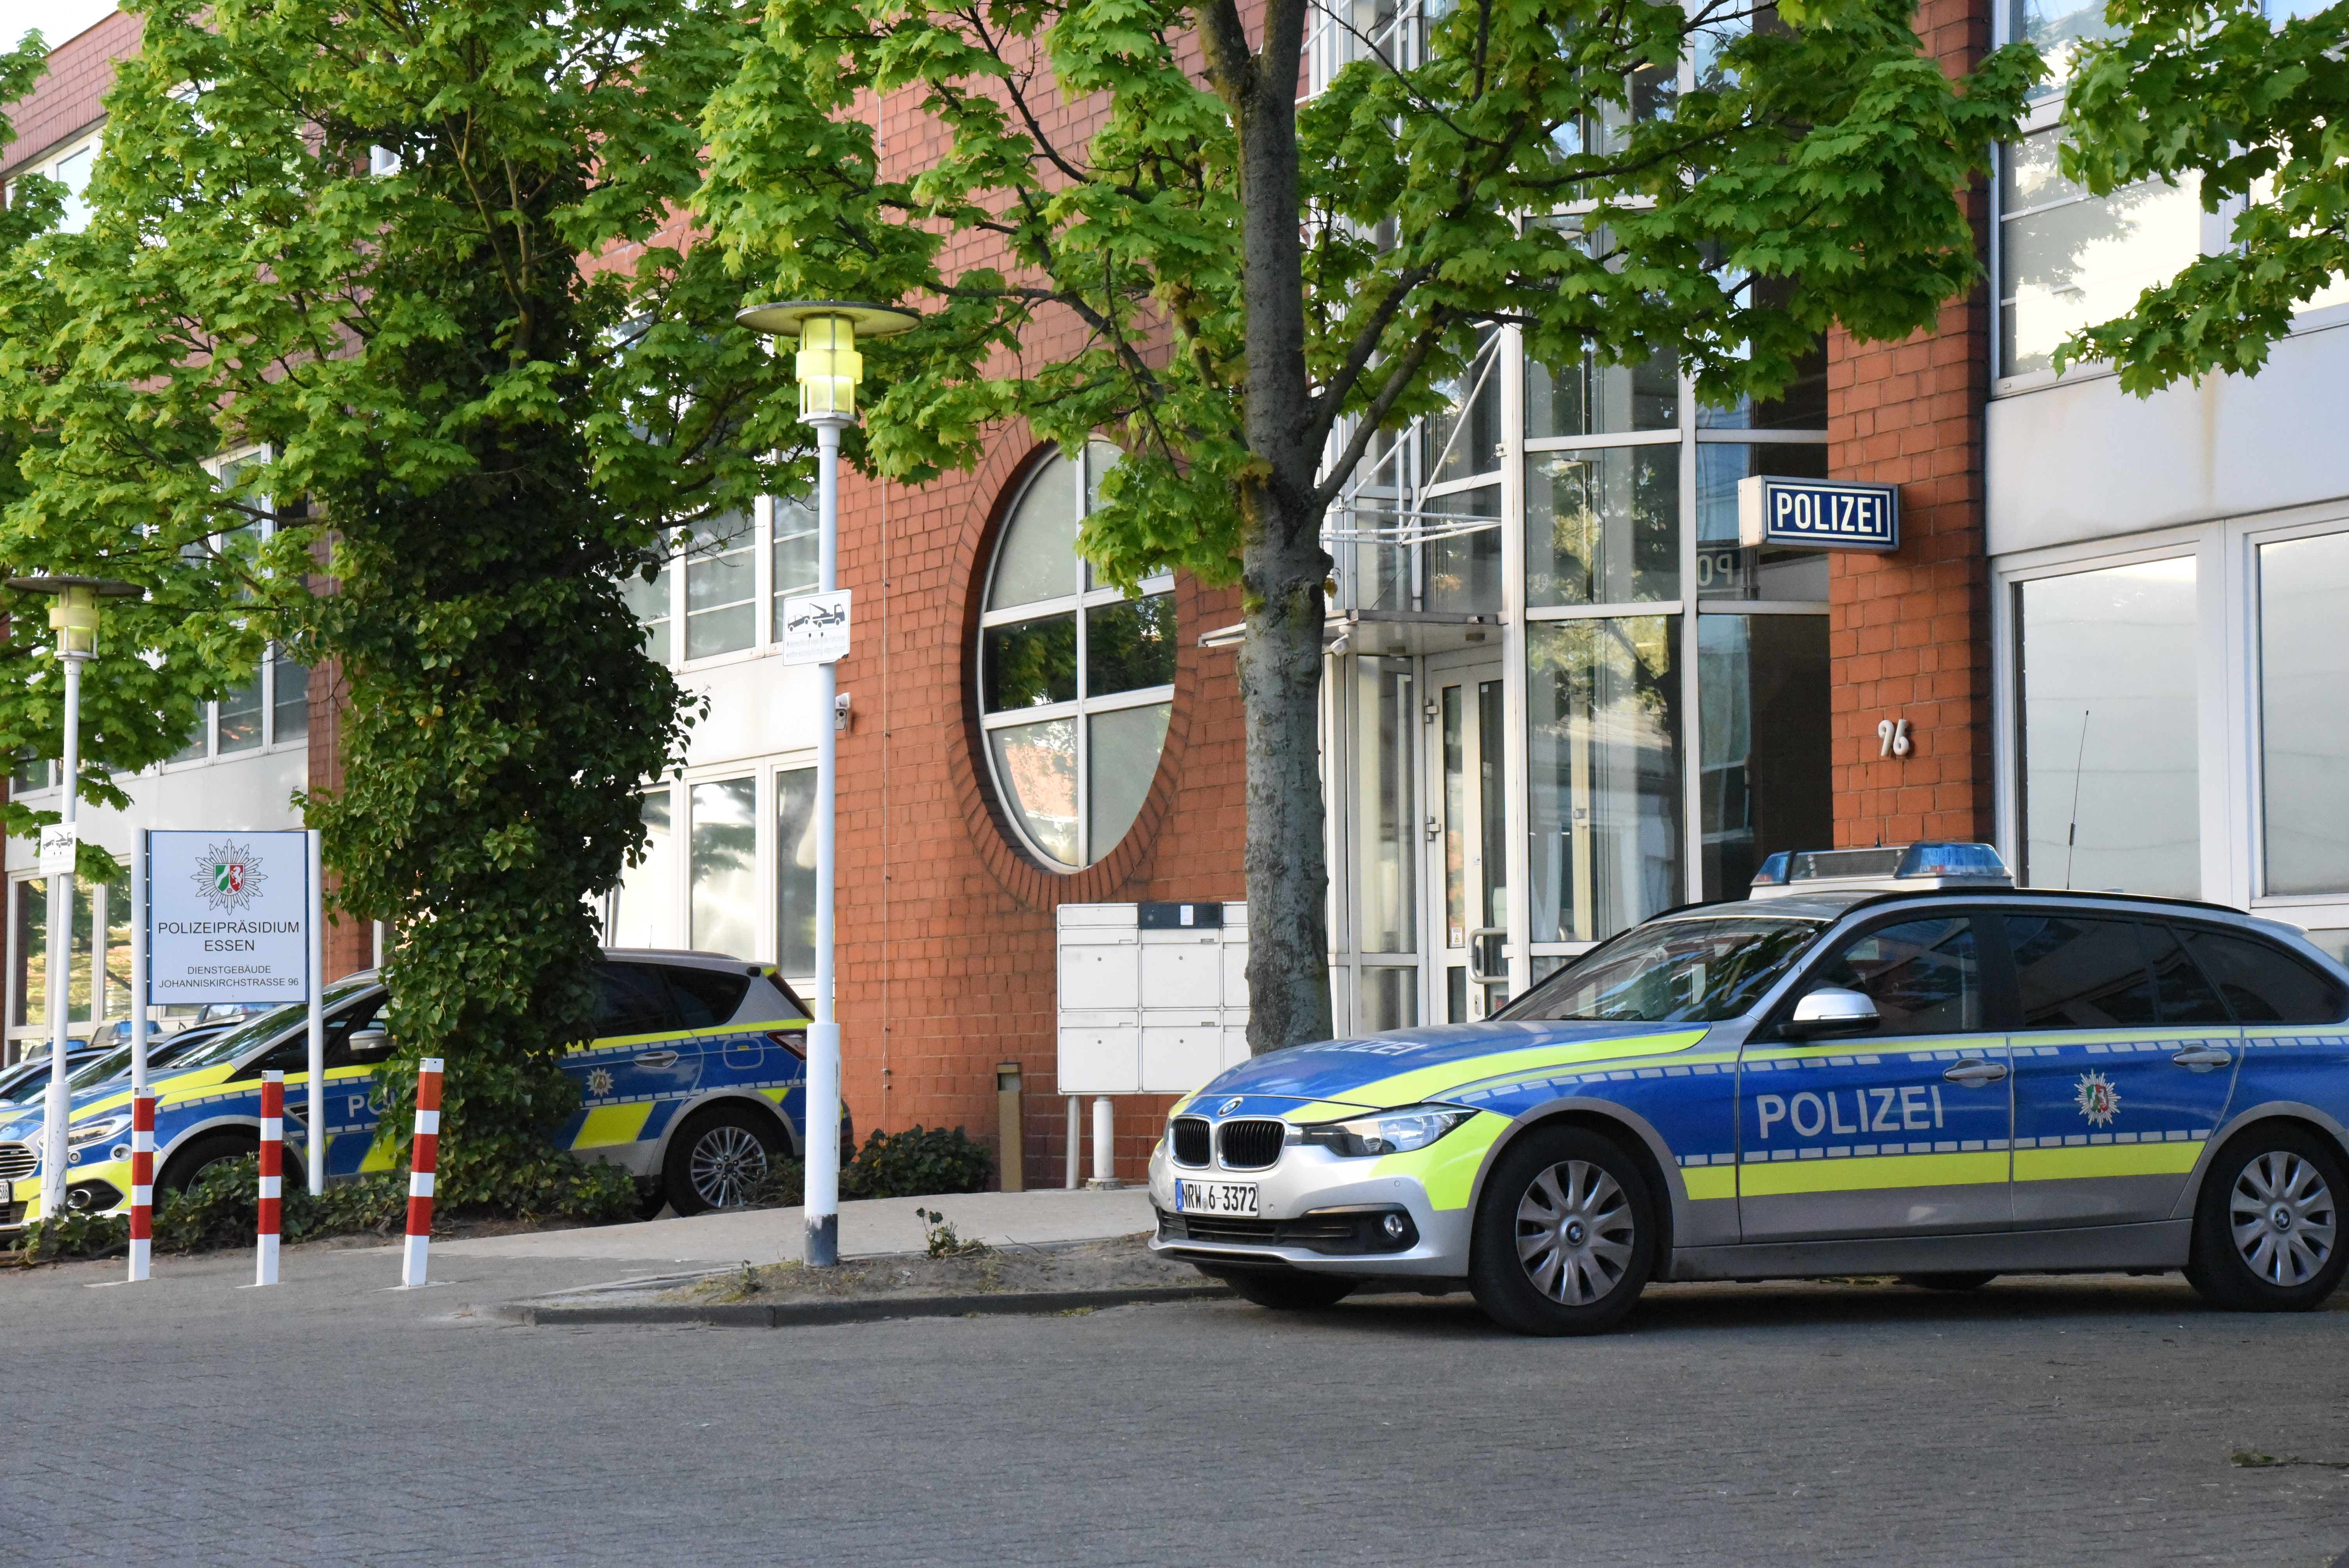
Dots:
pixel 329 1420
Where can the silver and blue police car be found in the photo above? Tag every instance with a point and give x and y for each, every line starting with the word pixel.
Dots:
pixel 694 1082
pixel 1884 1062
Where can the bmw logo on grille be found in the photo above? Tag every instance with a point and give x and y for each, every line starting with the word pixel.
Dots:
pixel 1229 1106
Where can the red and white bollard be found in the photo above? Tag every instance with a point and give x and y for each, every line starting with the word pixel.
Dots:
pixel 142 1181
pixel 422 1166
pixel 273 1165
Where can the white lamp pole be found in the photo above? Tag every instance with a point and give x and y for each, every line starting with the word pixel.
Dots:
pixel 74 617
pixel 828 369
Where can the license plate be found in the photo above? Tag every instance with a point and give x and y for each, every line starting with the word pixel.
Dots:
pixel 1216 1197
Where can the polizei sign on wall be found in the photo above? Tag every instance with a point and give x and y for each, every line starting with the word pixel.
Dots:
pixel 1817 514
pixel 229 912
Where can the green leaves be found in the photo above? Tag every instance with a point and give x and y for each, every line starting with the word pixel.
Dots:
pixel 2260 111
pixel 381 344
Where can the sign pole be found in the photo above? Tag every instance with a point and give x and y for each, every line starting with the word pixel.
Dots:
pixel 58 1103
pixel 313 1132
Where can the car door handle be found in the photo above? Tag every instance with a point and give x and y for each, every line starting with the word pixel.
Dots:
pixel 656 1058
pixel 2202 1059
pixel 1975 1074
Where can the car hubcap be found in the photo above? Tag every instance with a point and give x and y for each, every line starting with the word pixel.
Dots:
pixel 1574 1232
pixel 2283 1217
pixel 727 1164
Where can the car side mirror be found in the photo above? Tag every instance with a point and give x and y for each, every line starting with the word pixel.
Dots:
pixel 370 1043
pixel 1830 1010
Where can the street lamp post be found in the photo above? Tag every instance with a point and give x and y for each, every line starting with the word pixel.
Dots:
pixel 828 369
pixel 74 617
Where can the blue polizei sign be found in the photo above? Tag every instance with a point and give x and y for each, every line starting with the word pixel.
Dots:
pixel 1817 514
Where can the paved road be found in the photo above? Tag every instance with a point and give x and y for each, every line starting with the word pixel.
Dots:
pixel 330 1421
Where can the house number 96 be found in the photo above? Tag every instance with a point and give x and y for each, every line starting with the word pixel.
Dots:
pixel 1892 737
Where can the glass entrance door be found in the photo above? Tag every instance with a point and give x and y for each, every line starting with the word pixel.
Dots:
pixel 1466 844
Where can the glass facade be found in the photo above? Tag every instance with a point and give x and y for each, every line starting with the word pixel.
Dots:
pixel 1519 777
pixel 2303 584
pixel 724 862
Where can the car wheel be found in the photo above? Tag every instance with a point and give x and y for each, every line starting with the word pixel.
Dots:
pixel 2267 1228
pixel 1970 1279
pixel 718 1160
pixel 1290 1291
pixel 1565 1234
pixel 189 1165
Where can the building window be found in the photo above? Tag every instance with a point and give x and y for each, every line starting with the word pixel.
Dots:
pixel 650 601
pixel 2303 668
pixel 2068 259
pixel 720 587
pixel 1763 740
pixel 644 904
pixel 290 700
pixel 1605 791
pixel 796 565
pixel 795 872
pixel 725 867
pixel 1075 680
pixel 70 168
pixel 2110 788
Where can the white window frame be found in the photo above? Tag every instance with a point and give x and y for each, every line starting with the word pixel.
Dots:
pixel 2228 739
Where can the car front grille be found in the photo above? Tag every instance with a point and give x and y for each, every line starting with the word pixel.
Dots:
pixel 1345 1231
pixel 1252 1145
pixel 1190 1140
pixel 17 1160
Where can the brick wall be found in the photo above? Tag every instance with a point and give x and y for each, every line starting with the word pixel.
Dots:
pixel 1909 632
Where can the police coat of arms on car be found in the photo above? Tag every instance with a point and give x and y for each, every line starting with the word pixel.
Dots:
pixel 2098 1101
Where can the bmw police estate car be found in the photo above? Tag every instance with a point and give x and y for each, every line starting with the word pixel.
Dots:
pixel 1927 1073
pixel 694 1081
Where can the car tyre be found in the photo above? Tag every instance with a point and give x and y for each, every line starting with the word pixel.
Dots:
pixel 718 1159
pixel 1290 1291
pixel 214 1149
pixel 2267 1227
pixel 1968 1279
pixel 1565 1234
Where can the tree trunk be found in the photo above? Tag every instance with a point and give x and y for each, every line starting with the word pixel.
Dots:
pixel 1283 564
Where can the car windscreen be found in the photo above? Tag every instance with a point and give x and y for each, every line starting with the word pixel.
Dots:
pixel 1694 971
pixel 228 1047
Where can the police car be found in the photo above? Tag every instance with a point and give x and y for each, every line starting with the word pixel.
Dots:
pixel 695 1081
pixel 1885 1062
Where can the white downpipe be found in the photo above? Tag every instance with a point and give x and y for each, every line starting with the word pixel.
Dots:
pixel 1076 1143
pixel 1105 1137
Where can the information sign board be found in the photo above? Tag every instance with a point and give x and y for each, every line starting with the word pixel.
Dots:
pixel 1817 514
pixel 59 840
pixel 815 628
pixel 230 914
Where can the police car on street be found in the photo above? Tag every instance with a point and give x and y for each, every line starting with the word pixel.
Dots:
pixel 1884 1061
pixel 695 1081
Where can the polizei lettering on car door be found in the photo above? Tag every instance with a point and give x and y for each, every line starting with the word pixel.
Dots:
pixel 1903 1107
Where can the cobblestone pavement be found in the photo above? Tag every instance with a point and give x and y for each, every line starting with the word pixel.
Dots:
pixel 330 1421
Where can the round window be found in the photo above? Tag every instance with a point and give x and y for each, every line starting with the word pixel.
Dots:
pixel 1075 680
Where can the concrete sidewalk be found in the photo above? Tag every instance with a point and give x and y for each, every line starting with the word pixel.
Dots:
pixel 867 1226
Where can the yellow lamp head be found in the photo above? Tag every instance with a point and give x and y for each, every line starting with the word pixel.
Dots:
pixel 74 618
pixel 828 367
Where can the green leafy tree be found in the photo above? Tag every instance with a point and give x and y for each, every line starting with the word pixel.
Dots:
pixel 2260 110
pixel 349 238
pixel 1253 289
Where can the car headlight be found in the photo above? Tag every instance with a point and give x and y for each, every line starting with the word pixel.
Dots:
pixel 96 1131
pixel 1388 1132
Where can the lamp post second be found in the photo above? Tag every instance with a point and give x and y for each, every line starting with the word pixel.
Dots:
pixel 828 369
pixel 74 618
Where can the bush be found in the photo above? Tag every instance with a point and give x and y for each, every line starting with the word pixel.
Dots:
pixel 73 1235
pixel 917 1164
pixel 784 1187
pixel 223 1208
